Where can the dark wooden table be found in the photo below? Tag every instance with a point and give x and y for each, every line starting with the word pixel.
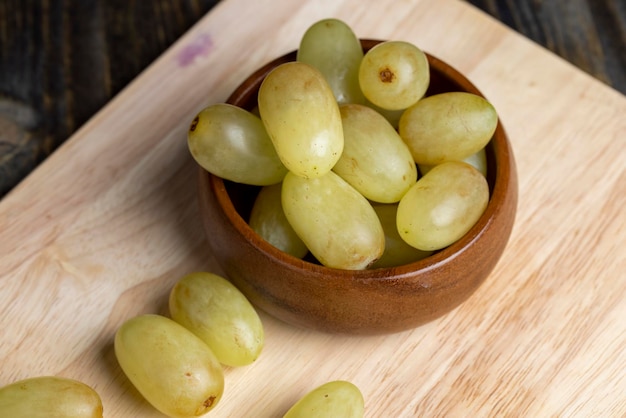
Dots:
pixel 61 61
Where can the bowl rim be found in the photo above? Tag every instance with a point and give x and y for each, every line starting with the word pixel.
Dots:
pixel 502 161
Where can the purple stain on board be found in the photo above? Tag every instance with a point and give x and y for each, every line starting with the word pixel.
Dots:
pixel 199 47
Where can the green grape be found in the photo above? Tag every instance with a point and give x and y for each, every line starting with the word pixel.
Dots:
pixel 331 46
pixel 268 220
pixel 397 251
pixel 375 160
pixel 232 143
pixel 392 116
pixel 172 368
pixel 49 397
pixel 442 206
pixel 478 160
pixel 447 127
pixel 339 398
pixel 302 118
pixel 338 224
pixel 220 315
pixel 394 75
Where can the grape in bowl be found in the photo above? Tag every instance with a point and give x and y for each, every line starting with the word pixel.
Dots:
pixel 304 293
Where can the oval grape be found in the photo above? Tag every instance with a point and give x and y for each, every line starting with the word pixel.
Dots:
pixel 220 315
pixel 338 398
pixel 49 397
pixel 397 251
pixel 447 127
pixel 338 224
pixel 394 74
pixel 442 206
pixel 477 160
pixel 174 370
pixel 375 160
pixel 232 143
pixel 268 219
pixel 331 46
pixel 301 116
pixel 392 116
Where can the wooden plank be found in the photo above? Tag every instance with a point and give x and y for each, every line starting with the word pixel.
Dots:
pixel 102 229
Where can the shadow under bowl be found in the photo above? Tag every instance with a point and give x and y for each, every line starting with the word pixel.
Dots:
pixel 375 301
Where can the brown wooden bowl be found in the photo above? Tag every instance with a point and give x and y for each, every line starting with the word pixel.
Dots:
pixel 373 301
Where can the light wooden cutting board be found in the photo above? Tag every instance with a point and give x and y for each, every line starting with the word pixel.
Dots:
pixel 101 231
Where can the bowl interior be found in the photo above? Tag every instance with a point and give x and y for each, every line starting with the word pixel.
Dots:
pixel 444 78
pixel 304 293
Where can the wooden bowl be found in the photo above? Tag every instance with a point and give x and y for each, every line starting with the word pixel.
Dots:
pixel 375 301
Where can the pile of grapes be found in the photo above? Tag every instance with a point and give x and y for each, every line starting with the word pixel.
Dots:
pixel 357 166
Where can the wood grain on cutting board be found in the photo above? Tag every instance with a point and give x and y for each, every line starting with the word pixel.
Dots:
pixel 102 230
